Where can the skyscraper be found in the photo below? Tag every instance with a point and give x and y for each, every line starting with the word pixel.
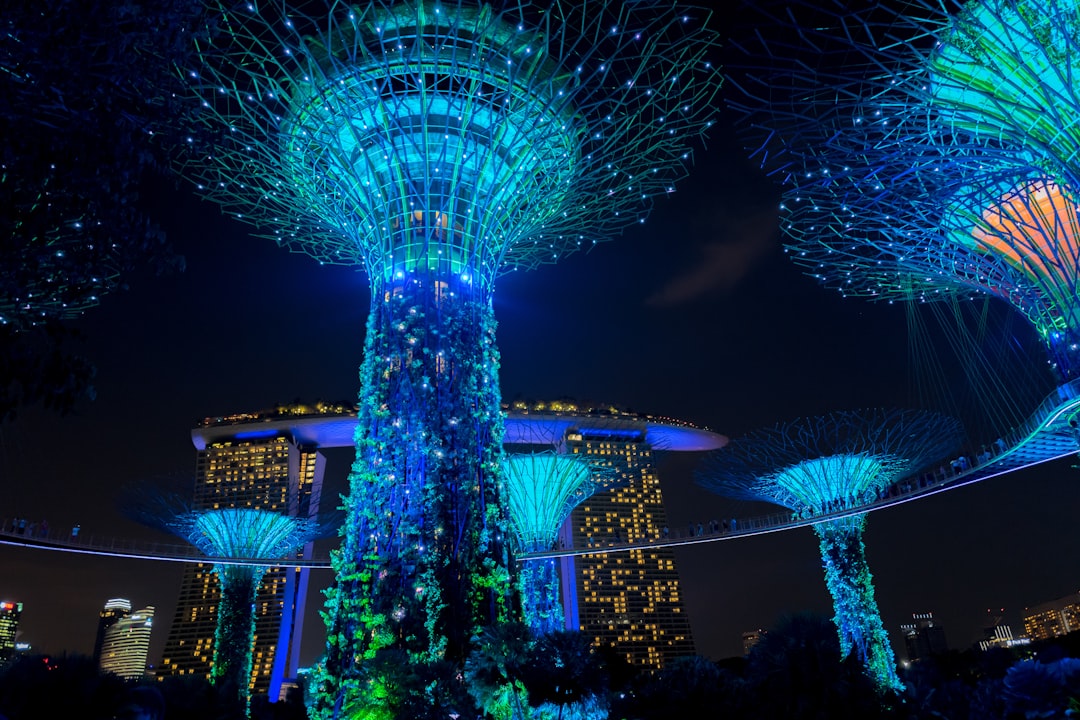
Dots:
pixel 923 637
pixel 126 640
pixel 629 601
pixel 115 608
pixel 268 460
pixel 1054 618
pixel 9 628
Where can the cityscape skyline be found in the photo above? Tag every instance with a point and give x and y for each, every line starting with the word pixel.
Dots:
pixel 704 320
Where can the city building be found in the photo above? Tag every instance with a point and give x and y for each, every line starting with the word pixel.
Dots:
pixel 923 637
pixel 125 641
pixel 629 601
pixel 267 460
pixel 1053 619
pixel 751 638
pixel 10 612
pixel 115 608
pixel 997 633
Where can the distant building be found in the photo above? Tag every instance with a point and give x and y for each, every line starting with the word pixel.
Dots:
pixel 10 612
pixel 115 609
pixel 126 641
pixel 272 461
pixel 923 637
pixel 751 638
pixel 1053 619
pixel 628 601
pixel 996 633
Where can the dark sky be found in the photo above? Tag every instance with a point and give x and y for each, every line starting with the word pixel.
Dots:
pixel 696 314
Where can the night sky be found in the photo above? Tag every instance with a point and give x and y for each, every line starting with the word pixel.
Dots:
pixel 696 315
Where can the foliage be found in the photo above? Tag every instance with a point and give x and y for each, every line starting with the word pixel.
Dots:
pixel 684 686
pixel 396 687
pixel 424 562
pixel 496 668
pixel 41 686
pixel 1041 690
pixel 797 671
pixel 565 673
pixel 851 586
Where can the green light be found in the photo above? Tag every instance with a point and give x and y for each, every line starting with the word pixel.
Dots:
pixel 1004 72
pixel 436 146
pixel 542 489
pixel 829 464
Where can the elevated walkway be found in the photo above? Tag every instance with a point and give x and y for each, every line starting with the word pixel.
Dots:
pixel 32 536
pixel 1046 436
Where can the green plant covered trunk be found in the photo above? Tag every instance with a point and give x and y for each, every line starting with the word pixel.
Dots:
pixel 235 632
pixel 423 563
pixel 541 602
pixel 850 583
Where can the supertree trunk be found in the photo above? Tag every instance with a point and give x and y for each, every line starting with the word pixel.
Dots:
pixel 423 563
pixel 541 602
pixel 851 586
pixel 235 632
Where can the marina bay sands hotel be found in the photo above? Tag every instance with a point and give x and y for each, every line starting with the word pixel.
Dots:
pixel 629 601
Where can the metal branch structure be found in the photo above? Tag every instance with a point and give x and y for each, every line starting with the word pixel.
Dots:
pixel 239 533
pixel 825 464
pixel 929 155
pixel 437 145
pixel 542 489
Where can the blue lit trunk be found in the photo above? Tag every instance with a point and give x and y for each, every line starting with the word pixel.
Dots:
pixel 423 563
pixel 235 632
pixel 541 600
pixel 851 586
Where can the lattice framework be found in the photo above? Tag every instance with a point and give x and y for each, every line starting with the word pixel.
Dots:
pixel 928 155
pixel 829 464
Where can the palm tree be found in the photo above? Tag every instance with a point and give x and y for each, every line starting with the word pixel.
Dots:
pixel 493 671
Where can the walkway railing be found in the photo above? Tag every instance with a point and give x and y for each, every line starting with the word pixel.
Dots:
pixel 26 532
pixel 1045 436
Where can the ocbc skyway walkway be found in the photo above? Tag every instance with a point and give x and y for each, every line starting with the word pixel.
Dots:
pixel 25 532
pixel 1046 436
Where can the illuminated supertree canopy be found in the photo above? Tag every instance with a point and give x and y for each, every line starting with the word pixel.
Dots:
pixel 437 145
pixel 943 164
pixel 541 491
pixel 832 464
pixel 240 533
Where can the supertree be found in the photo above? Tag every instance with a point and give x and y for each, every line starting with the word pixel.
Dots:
pixel 541 490
pixel 834 464
pixel 437 145
pixel 930 156
pixel 236 534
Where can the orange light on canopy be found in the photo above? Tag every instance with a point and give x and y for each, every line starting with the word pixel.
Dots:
pixel 1035 228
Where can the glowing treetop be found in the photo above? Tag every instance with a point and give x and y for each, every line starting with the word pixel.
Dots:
pixel 834 464
pixel 541 491
pixel 840 460
pixel 237 533
pixel 946 164
pixel 244 533
pixel 437 136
